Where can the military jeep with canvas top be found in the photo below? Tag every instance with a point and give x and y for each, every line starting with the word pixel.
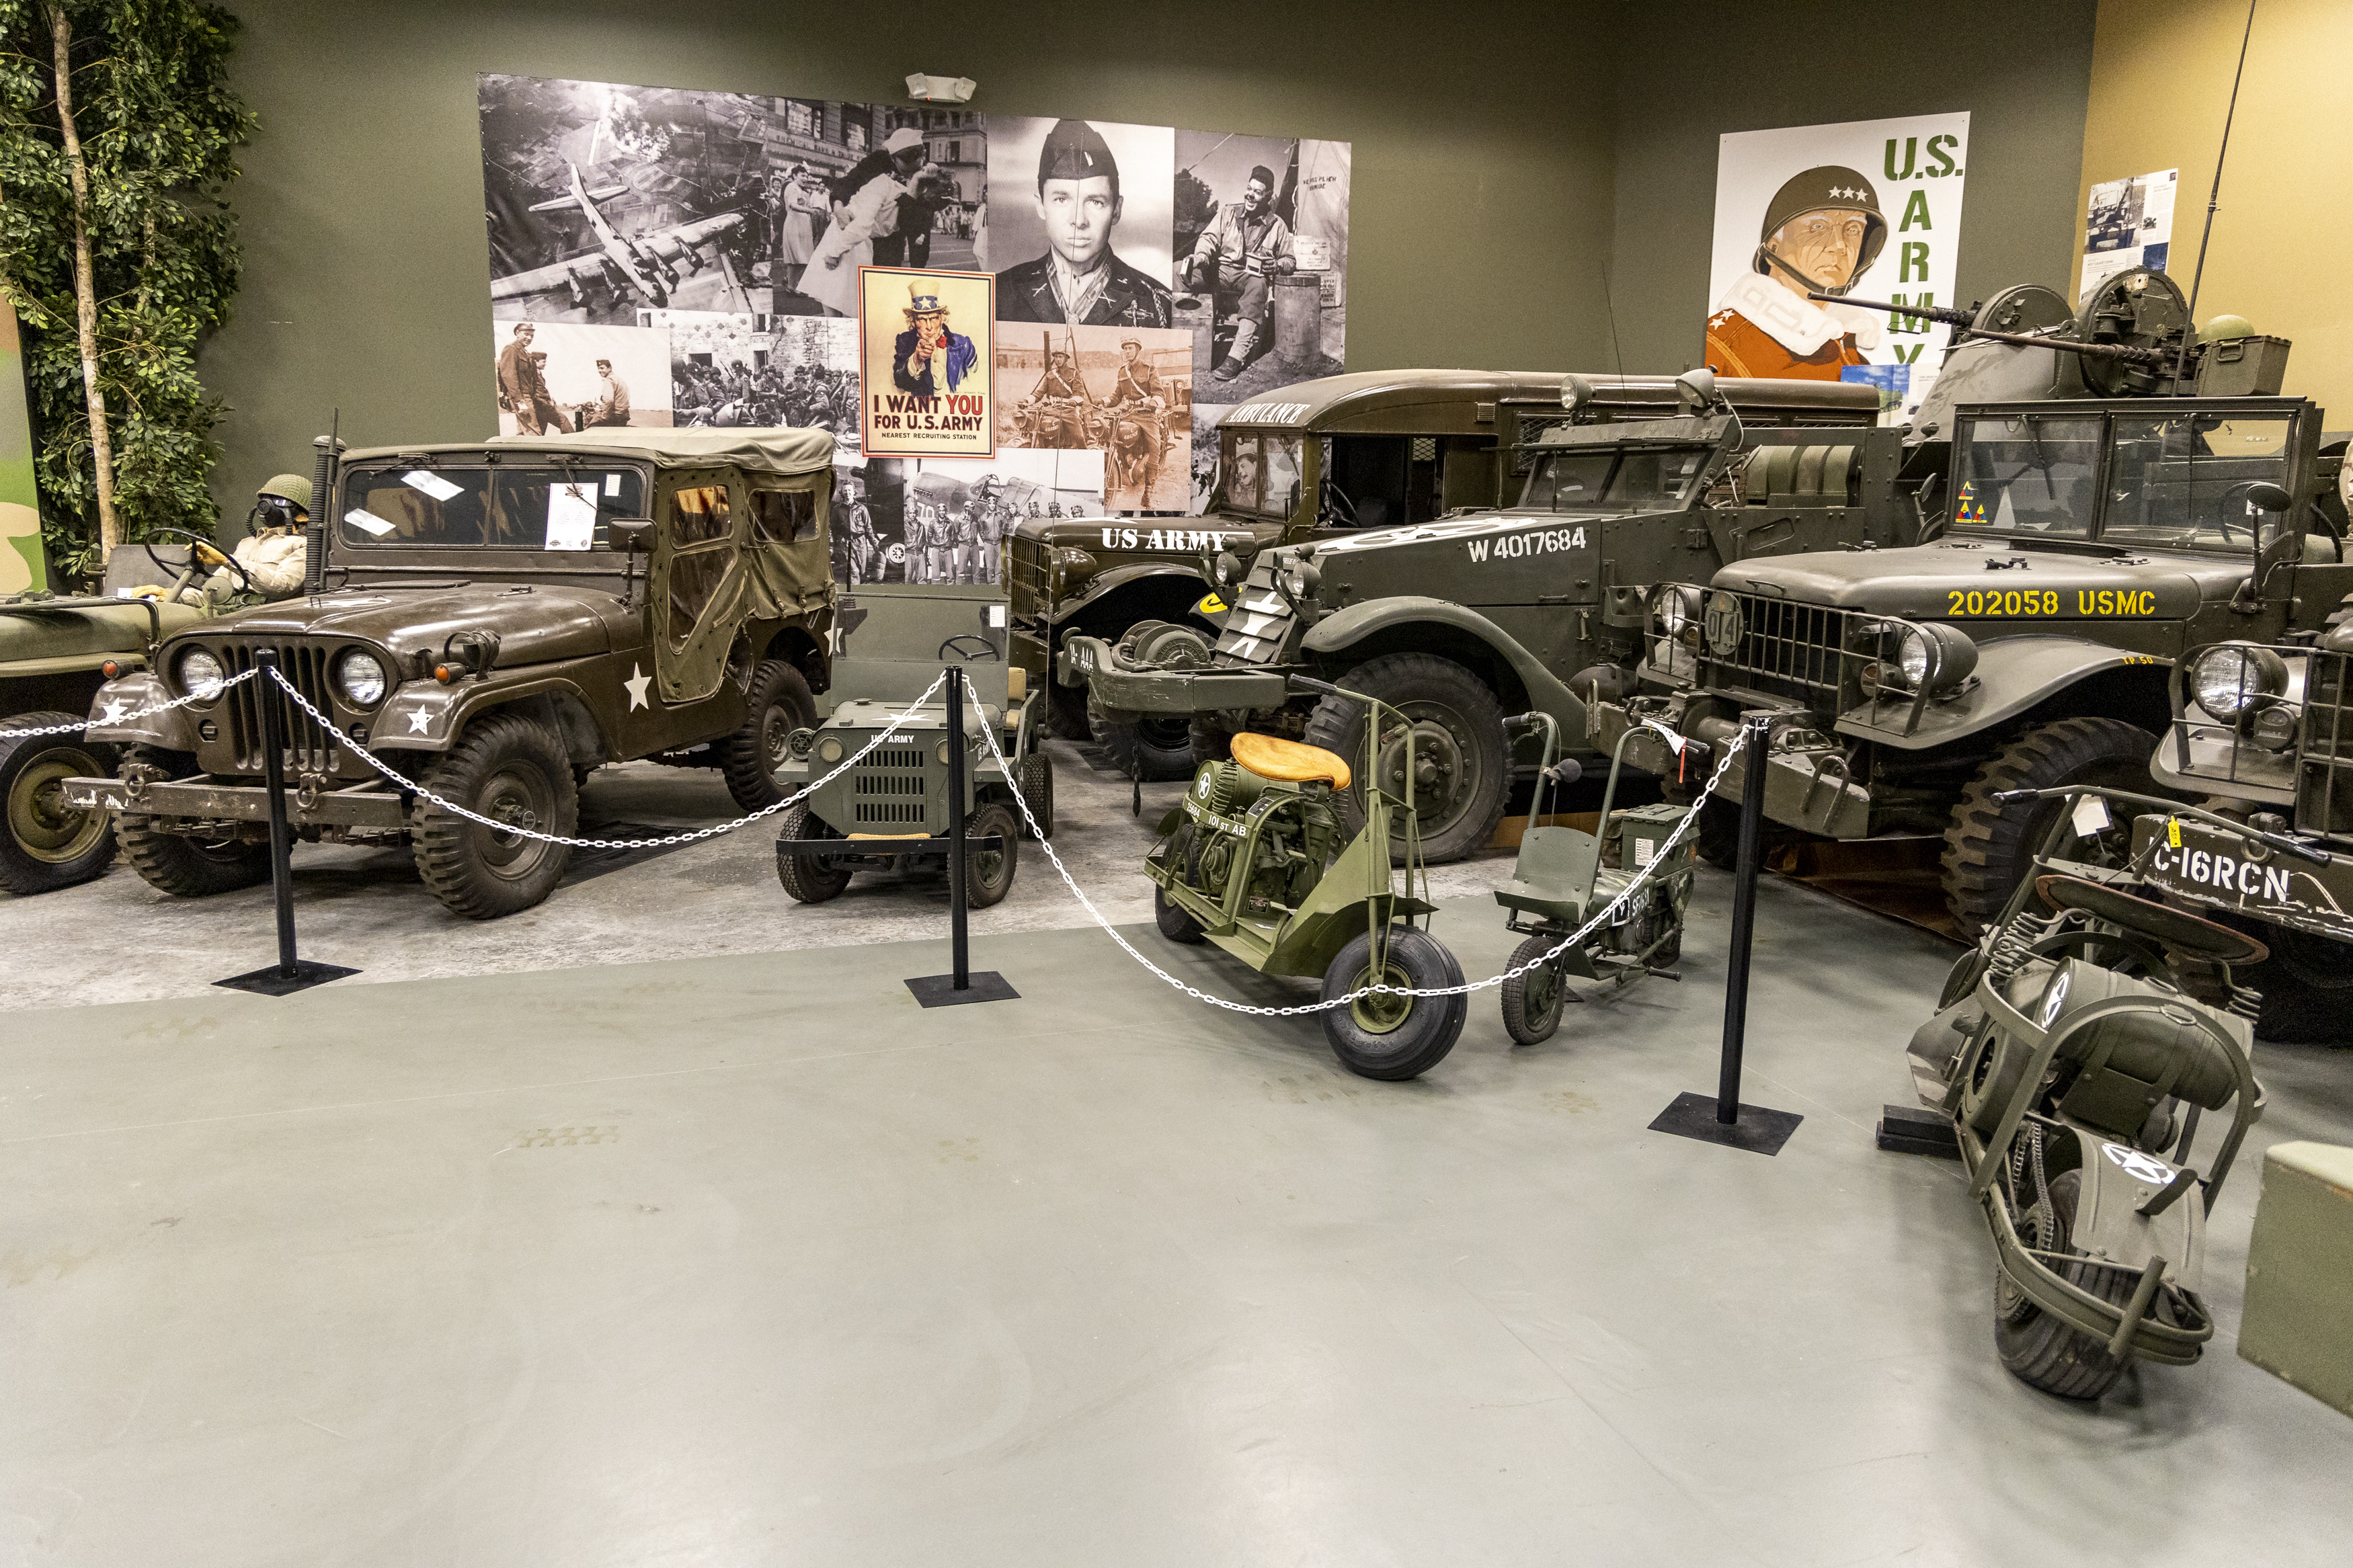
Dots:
pixel 494 621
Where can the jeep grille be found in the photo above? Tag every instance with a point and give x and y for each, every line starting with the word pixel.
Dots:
pixel 305 665
pixel 889 788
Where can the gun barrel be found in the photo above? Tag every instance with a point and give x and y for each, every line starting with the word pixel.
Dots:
pixel 1944 313
pixel 1961 318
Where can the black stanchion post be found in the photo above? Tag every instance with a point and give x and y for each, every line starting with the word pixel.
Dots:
pixel 1724 1119
pixel 290 973
pixel 962 984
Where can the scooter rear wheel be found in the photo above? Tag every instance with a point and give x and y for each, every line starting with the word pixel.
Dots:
pixel 1532 1002
pixel 1393 1037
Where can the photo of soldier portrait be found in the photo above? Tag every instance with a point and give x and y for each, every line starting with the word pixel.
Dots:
pixel 1820 234
pixel 1127 394
pixel 1261 234
pixel 1091 204
pixel 556 377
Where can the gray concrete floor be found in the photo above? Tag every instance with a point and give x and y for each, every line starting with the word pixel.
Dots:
pixel 118 940
pixel 748 1260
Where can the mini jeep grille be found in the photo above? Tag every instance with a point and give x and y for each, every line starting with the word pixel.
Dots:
pixel 891 786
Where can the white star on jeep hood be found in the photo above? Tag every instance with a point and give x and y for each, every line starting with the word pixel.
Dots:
pixel 637 683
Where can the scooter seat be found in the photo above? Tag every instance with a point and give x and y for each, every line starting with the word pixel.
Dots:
pixel 2170 927
pixel 1288 762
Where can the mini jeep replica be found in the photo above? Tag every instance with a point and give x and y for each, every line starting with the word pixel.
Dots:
pixel 493 622
pixel 888 807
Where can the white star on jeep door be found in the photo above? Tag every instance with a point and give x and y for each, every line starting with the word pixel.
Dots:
pixel 637 684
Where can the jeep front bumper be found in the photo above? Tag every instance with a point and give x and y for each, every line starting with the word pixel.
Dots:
pixel 1124 689
pixel 1806 786
pixel 205 799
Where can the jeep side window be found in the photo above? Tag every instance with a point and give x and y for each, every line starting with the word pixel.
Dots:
pixel 2032 475
pixel 699 514
pixel 2171 477
pixel 781 517
pixel 519 515
pixel 700 523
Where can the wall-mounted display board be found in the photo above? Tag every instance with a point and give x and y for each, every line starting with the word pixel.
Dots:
pixel 662 256
pixel 1869 209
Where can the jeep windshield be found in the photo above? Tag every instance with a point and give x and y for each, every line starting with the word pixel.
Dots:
pixel 1625 478
pixel 1259 472
pixel 506 507
pixel 2178 480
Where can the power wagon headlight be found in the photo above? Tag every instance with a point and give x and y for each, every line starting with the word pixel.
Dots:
pixel 199 673
pixel 1675 609
pixel 360 679
pixel 2229 677
pixel 1935 657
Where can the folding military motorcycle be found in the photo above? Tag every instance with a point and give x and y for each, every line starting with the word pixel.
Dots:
pixel 1258 860
pixel 2074 1062
pixel 1565 876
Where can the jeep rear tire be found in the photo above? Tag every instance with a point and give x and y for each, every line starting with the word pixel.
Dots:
pixel 2307 989
pixel 514 770
pixel 776 702
pixel 1991 845
pixel 1155 746
pixel 988 873
pixel 184 866
pixel 1464 766
pixel 48 844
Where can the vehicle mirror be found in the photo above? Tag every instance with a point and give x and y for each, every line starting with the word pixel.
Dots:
pixel 633 534
pixel 2264 496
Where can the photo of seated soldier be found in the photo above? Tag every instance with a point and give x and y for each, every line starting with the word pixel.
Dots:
pixel 1235 257
pixel 1057 405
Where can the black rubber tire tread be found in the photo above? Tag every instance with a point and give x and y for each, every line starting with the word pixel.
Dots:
pixel 742 756
pixel 2040 1350
pixel 21 871
pixel 981 891
pixel 174 863
pixel 1430 1030
pixel 446 847
pixel 2307 986
pixel 1716 837
pixel 807 878
pixel 1338 726
pixel 1989 845
pixel 1528 1024
pixel 1211 743
pixel 1132 746
pixel 2338 616
pixel 1036 776
pixel 1175 923
pixel 1066 712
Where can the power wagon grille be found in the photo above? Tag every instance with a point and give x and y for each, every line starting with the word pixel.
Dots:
pixel 308 748
pixel 2324 781
pixel 890 788
pixel 1788 649
pixel 1025 576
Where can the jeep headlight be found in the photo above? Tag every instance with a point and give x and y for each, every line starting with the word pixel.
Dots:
pixel 360 679
pixel 828 751
pixel 199 673
pixel 2229 677
pixel 941 751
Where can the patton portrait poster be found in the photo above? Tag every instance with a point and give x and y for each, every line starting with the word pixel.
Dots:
pixel 926 363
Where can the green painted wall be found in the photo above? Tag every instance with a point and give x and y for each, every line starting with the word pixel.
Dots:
pixel 1691 73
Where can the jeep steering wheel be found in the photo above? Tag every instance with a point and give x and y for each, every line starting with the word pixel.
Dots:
pixel 198 548
pixel 987 649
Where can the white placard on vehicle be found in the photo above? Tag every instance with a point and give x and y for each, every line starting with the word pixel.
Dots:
pixel 571 517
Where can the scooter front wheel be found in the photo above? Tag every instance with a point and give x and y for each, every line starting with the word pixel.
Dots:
pixel 1388 1037
pixel 1532 1002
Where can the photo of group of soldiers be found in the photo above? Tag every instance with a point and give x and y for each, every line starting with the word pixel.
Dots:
pixel 944 521
pixel 738 396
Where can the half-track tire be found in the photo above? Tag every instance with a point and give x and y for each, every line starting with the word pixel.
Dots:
pixel 809 878
pixel 2035 1347
pixel 1478 771
pixel 513 769
pixel 175 863
pixel 776 702
pixel 46 844
pixel 1211 743
pixel 1066 712
pixel 2307 988
pixel 988 873
pixel 1036 776
pixel 1157 746
pixel 1532 1002
pixel 1991 845
pixel 1425 1027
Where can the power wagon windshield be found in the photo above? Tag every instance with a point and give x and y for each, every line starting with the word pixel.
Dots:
pixel 502 508
pixel 2179 480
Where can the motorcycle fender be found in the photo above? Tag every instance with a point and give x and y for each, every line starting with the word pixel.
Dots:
pixel 1335 633
pixel 2013 675
pixel 174 728
pixel 2118 1179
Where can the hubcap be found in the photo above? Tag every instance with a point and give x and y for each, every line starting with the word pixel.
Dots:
pixel 38 818
pixel 520 802
pixel 1445 767
pixel 1380 1013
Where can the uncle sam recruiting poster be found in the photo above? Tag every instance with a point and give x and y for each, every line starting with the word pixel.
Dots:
pixel 926 362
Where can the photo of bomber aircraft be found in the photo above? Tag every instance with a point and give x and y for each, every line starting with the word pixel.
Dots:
pixel 650 267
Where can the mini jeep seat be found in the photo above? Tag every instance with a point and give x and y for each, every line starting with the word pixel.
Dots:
pixel 1288 762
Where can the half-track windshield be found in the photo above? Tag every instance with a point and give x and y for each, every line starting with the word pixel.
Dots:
pixel 1634 477
pixel 507 506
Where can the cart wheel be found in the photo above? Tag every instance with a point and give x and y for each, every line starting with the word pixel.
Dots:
pixel 2038 1348
pixel 809 878
pixel 1532 1002
pixel 988 873
pixel 1393 1037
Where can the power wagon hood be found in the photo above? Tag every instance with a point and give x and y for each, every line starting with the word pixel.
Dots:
pixel 1940 581
pixel 534 623
pixel 1185 536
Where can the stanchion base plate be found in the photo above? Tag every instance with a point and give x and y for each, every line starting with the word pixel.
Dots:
pixel 276 982
pixel 1758 1131
pixel 983 985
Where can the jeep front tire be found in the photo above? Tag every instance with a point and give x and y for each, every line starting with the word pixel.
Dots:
pixel 50 844
pixel 515 770
pixel 184 865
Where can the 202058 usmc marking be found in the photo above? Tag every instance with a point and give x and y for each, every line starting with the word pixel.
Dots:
pixel 2087 604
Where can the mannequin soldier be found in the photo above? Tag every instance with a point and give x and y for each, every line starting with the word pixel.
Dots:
pixel 1080 280
pixel 1822 230
pixel 1235 255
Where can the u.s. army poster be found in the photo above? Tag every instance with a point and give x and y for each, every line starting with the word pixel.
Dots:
pixel 927 362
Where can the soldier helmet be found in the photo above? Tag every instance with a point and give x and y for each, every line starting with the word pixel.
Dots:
pixel 1131 343
pixel 292 487
pixel 2225 326
pixel 1830 186
pixel 1075 149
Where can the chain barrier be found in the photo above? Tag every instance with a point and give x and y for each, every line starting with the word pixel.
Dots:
pixel 203 694
pixel 410 786
pixel 1658 861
